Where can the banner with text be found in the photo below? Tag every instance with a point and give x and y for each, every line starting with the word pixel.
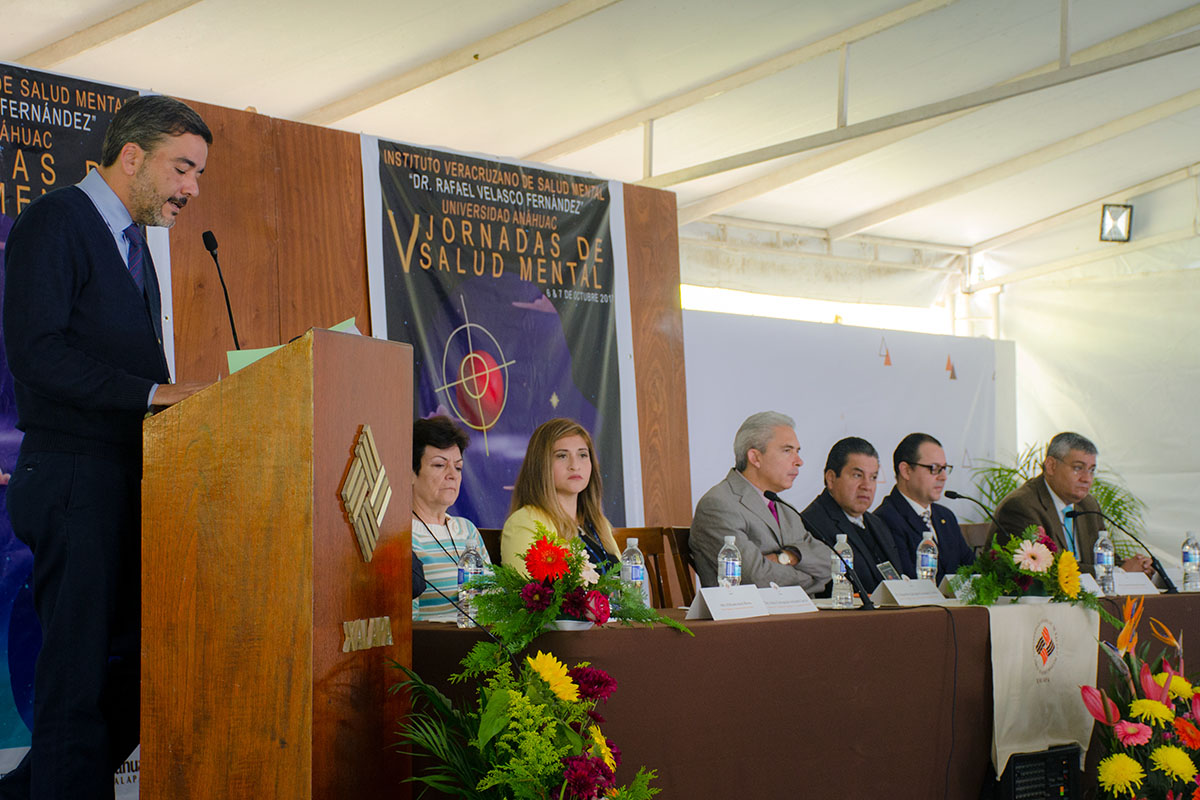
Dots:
pixel 504 279
pixel 51 129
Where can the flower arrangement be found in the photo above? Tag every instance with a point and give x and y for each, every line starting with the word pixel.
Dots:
pixel 1029 564
pixel 1151 738
pixel 532 731
pixel 533 734
pixel 562 583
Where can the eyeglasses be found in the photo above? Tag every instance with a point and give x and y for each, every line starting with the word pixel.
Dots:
pixel 935 469
pixel 1079 468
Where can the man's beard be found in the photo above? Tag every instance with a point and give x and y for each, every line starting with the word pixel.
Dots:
pixel 147 202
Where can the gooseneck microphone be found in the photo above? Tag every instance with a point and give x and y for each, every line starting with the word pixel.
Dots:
pixel 1170 584
pixel 953 495
pixel 210 244
pixel 867 603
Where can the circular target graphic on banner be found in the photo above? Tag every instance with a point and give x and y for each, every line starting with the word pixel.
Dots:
pixel 479 379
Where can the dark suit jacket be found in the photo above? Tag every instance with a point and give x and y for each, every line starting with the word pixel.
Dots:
pixel 735 508
pixel 825 518
pixel 1031 504
pixel 908 529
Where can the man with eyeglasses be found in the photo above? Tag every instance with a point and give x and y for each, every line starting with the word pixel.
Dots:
pixel 911 511
pixel 1064 485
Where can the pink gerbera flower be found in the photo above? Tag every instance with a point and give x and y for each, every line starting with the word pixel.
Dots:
pixel 1033 556
pixel 1132 733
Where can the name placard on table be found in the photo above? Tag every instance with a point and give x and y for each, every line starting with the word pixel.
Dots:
pixel 908 593
pixel 744 602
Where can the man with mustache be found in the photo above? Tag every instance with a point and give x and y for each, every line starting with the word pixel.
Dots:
pixel 83 333
pixel 773 543
pixel 851 476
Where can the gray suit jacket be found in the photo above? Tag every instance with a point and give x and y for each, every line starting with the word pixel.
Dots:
pixel 734 507
pixel 1031 504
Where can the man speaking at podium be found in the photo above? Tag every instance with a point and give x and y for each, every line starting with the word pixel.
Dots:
pixel 83 334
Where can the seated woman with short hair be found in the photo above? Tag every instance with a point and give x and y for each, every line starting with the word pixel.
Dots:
pixel 559 486
pixel 439 539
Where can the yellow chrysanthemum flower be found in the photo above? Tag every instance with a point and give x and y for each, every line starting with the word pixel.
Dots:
pixel 1068 574
pixel 1173 761
pixel 1151 711
pixel 554 672
pixel 600 748
pixel 1179 686
pixel 1119 773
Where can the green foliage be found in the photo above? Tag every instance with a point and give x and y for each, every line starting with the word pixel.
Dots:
pixel 996 480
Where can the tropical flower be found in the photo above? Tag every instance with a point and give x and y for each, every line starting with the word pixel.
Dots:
pixel 594 684
pixel 1150 687
pixel 1068 574
pixel 546 560
pixel 597 608
pixel 1173 761
pixel 1099 705
pixel 1132 613
pixel 1164 635
pixel 1179 687
pixel 1151 711
pixel 1133 733
pixel 554 673
pixel 537 596
pixel 1033 556
pixel 1120 774
pixel 1187 732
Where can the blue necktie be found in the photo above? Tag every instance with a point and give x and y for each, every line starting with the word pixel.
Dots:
pixel 1069 528
pixel 137 251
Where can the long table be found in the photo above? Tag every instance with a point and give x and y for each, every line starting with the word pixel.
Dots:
pixel 889 703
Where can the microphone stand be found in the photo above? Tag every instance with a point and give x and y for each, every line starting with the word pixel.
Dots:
pixel 867 603
pixel 1170 584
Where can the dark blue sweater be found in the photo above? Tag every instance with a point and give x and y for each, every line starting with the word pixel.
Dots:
pixel 83 343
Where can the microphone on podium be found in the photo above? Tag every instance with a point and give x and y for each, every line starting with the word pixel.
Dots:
pixel 210 244
pixel 953 495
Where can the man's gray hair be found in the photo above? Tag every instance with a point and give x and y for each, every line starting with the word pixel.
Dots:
pixel 754 434
pixel 1067 441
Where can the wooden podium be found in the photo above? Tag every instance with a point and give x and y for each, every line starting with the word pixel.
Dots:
pixel 254 581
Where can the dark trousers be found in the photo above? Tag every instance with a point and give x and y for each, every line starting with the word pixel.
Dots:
pixel 80 514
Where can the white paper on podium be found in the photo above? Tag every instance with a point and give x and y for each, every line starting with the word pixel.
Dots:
pixel 1127 583
pixel 727 602
pixel 1087 582
pixel 907 593
pixel 957 587
pixel 786 600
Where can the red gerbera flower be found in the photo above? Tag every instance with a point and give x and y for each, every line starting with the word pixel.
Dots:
pixel 546 560
pixel 1188 733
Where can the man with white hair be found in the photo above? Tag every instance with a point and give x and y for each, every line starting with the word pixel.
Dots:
pixel 775 546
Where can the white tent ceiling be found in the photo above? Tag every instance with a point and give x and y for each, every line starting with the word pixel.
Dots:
pixel 611 86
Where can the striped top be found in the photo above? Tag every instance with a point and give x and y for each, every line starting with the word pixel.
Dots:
pixel 440 547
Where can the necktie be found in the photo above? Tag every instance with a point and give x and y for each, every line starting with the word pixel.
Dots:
pixel 774 510
pixel 1069 529
pixel 137 250
pixel 927 515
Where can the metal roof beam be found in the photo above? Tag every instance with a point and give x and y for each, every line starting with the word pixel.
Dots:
pixel 463 57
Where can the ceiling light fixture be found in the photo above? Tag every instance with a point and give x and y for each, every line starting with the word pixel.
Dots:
pixel 1116 222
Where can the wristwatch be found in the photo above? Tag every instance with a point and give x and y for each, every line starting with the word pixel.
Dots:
pixel 786 558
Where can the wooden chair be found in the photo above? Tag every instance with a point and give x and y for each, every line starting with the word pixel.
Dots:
pixel 650 542
pixel 491 540
pixel 681 555
pixel 975 534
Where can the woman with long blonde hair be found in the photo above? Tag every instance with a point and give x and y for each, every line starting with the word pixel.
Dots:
pixel 559 486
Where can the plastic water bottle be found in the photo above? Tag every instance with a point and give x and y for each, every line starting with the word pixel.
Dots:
pixel 1191 563
pixel 1104 559
pixel 729 564
pixel 633 564
pixel 927 559
pixel 843 594
pixel 469 566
